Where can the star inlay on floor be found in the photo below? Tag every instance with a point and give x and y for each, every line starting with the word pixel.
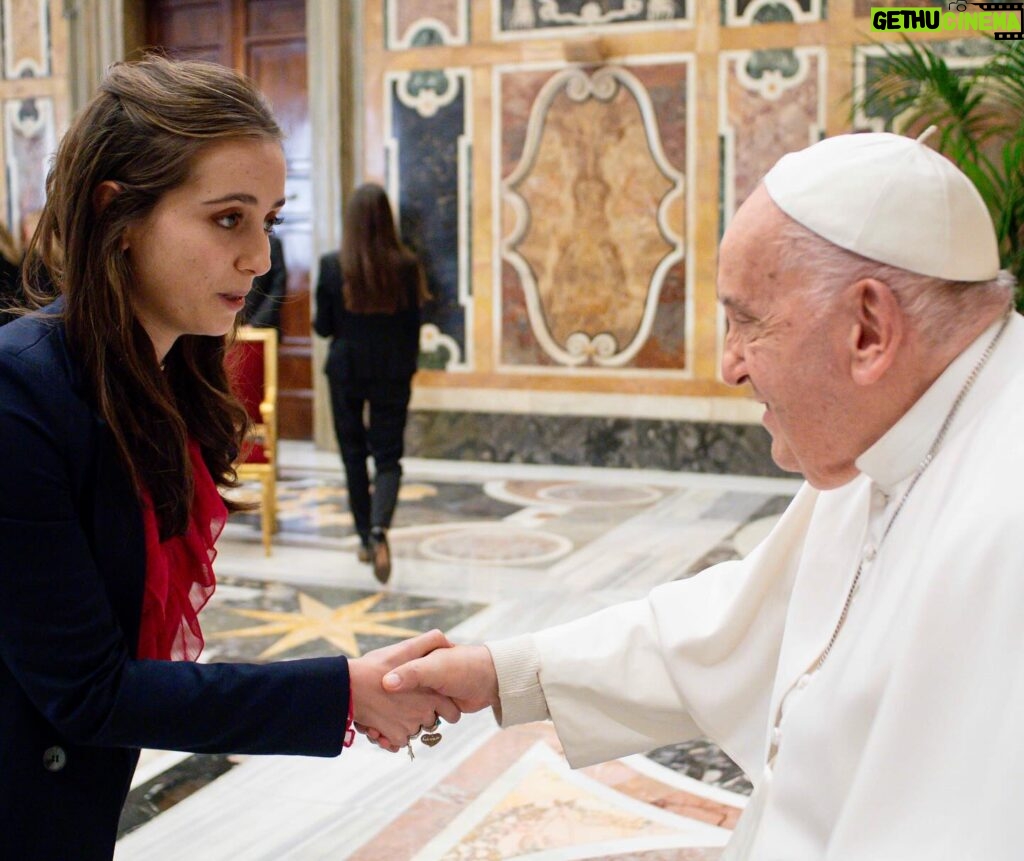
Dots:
pixel 310 621
pixel 317 621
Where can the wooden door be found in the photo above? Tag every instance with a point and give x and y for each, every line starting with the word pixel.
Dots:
pixel 266 40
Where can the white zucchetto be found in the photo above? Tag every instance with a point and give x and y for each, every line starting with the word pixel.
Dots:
pixel 892 199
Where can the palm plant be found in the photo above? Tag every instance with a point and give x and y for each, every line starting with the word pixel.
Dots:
pixel 980 116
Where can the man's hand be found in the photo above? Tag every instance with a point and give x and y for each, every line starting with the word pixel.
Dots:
pixel 464 674
pixel 395 715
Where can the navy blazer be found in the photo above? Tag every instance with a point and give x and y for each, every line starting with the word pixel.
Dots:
pixel 75 703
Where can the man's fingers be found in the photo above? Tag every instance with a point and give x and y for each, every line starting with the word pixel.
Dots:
pixel 424 644
pixel 410 676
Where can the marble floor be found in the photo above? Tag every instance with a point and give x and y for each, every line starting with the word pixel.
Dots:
pixel 481 551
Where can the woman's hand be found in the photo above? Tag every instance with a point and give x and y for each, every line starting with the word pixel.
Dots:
pixel 390 718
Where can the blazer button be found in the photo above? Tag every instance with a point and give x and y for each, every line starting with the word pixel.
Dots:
pixel 54 758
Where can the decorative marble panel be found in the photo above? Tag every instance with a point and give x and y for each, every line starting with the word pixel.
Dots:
pixel 743 13
pixel 26 36
pixel 771 102
pixel 591 217
pixel 539 18
pixel 428 144
pixel 961 55
pixel 30 138
pixel 539 808
pixel 514 796
pixel 421 23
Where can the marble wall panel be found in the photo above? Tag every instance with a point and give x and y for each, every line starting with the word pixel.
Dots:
pixel 26 38
pixel 743 13
pixel 771 102
pixel 30 138
pixel 421 23
pixel 428 152
pixel 538 18
pixel 591 227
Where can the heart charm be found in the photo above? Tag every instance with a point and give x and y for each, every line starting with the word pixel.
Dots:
pixel 430 738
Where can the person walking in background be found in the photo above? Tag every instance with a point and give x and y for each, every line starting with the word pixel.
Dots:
pixel 120 430
pixel 368 300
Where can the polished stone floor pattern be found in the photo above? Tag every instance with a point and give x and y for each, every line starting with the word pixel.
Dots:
pixel 481 551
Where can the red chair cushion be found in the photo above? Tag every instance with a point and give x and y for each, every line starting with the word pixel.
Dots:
pixel 253 452
pixel 244 366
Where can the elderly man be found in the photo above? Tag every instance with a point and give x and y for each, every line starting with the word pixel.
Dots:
pixel 865 663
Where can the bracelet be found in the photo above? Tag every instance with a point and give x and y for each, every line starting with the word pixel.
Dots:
pixel 350 733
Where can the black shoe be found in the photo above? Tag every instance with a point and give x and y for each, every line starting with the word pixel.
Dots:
pixel 380 555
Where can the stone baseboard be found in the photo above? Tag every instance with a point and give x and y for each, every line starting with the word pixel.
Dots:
pixel 592 441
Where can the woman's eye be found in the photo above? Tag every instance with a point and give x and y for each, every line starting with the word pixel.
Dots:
pixel 271 223
pixel 229 220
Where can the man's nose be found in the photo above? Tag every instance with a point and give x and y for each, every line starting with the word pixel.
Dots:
pixel 733 368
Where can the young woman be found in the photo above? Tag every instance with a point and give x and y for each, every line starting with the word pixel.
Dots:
pixel 368 299
pixel 119 430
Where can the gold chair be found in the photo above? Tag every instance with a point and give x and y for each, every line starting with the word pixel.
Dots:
pixel 252 370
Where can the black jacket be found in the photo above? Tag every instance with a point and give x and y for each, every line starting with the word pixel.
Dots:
pixel 263 304
pixel 370 354
pixel 75 704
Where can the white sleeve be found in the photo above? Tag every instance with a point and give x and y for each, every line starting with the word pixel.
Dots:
pixel 696 656
pixel 517 664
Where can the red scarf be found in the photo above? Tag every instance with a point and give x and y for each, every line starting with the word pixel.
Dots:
pixel 179 572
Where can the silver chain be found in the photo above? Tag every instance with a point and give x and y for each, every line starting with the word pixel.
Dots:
pixel 928 458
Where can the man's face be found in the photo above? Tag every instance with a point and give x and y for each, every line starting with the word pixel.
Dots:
pixel 792 352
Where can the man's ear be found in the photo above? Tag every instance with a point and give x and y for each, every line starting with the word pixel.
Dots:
pixel 878 331
pixel 102 195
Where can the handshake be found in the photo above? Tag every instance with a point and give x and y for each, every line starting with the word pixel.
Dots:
pixel 399 690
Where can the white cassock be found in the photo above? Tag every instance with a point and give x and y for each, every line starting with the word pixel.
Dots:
pixel 908 742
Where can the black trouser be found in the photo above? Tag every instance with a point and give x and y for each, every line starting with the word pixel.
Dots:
pixel 383 438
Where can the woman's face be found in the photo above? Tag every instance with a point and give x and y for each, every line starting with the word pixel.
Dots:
pixel 194 256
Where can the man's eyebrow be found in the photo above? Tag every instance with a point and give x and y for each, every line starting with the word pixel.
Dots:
pixel 730 302
pixel 740 308
pixel 241 197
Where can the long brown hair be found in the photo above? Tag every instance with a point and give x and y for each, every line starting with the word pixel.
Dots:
pixel 143 130
pixel 375 264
